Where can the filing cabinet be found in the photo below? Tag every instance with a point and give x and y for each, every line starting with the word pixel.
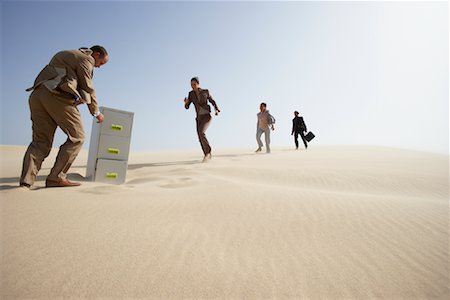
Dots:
pixel 113 147
pixel 117 123
pixel 111 171
pixel 109 147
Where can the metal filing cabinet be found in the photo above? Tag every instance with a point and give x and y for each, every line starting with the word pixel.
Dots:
pixel 113 147
pixel 111 171
pixel 110 146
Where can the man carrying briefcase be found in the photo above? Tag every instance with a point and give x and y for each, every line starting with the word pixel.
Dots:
pixel 299 128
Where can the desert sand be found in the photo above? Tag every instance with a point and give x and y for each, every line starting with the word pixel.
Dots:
pixel 332 222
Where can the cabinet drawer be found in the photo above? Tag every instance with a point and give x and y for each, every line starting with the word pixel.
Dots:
pixel 111 171
pixel 113 147
pixel 116 123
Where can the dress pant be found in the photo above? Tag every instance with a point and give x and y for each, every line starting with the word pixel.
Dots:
pixel 203 122
pixel 266 132
pixel 302 135
pixel 49 111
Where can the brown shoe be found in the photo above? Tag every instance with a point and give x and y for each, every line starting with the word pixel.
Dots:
pixel 60 183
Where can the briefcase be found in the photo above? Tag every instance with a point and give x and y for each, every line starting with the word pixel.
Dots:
pixel 309 136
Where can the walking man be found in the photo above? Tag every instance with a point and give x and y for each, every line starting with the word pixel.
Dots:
pixel 298 128
pixel 59 88
pixel 264 124
pixel 200 98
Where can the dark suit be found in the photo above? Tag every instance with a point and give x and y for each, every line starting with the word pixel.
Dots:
pixel 203 118
pixel 299 127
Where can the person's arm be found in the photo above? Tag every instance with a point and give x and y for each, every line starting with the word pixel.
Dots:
pixel 213 102
pixel 93 107
pixel 187 101
pixel 304 125
pixel 271 121
pixel 84 74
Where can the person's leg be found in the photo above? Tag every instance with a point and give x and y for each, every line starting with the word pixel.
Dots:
pixel 259 132
pixel 68 118
pixel 304 140
pixel 267 136
pixel 296 139
pixel 203 123
pixel 44 128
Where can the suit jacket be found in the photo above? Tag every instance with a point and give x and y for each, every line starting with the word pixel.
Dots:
pixel 298 125
pixel 70 73
pixel 201 103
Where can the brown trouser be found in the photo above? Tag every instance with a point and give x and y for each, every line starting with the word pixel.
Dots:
pixel 203 122
pixel 49 111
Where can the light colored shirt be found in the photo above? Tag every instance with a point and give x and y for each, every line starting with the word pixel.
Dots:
pixel 263 119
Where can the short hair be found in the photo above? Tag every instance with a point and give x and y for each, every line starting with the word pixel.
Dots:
pixel 100 50
pixel 263 104
pixel 195 79
pixel 296 112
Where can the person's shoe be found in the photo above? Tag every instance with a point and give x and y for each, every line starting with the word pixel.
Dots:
pixel 61 183
pixel 258 150
pixel 25 185
pixel 296 148
pixel 207 157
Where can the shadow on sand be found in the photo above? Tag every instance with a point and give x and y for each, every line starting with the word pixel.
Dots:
pixel 79 177
pixel 15 181
pixel 164 164
pixel 181 163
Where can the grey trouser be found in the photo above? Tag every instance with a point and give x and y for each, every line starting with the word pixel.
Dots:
pixel 49 111
pixel 203 122
pixel 266 132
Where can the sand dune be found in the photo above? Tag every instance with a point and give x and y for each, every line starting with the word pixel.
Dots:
pixel 330 222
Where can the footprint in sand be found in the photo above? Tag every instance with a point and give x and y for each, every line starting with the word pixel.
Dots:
pixel 159 181
pixel 144 180
pixel 105 190
pixel 178 183
pixel 179 170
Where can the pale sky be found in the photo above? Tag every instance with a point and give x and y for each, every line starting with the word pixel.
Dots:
pixel 360 73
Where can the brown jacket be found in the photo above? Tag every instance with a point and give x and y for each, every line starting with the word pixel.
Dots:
pixel 201 105
pixel 70 73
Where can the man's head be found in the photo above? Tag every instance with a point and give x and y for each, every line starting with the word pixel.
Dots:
pixel 195 83
pixel 262 107
pixel 100 55
pixel 296 113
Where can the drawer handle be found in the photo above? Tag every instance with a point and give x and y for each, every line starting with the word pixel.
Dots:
pixel 116 127
pixel 113 151
pixel 112 175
